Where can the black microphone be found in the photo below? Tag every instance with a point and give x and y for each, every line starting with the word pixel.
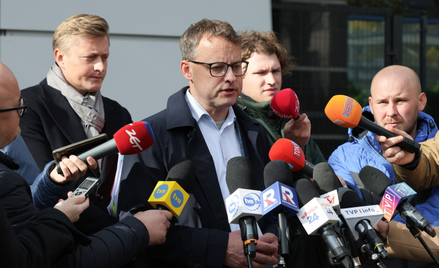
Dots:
pixel 374 183
pixel 359 217
pixel 279 199
pixel 244 203
pixel 317 218
pixel 130 139
pixel 374 180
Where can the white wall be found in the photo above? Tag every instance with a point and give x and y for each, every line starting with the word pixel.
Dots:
pixel 144 53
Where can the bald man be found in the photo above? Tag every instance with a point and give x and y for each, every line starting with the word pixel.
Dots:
pixel 395 101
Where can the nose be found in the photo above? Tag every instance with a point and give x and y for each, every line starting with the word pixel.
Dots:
pixel 392 109
pixel 230 76
pixel 100 65
pixel 269 79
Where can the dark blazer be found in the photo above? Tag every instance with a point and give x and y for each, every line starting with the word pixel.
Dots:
pixel 178 136
pixel 50 123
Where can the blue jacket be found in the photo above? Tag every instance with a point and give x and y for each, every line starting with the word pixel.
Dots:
pixel 362 149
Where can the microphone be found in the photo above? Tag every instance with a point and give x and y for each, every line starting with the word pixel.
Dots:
pixel 130 139
pixel 244 204
pixel 347 112
pixel 317 217
pixel 171 194
pixel 279 199
pixel 285 104
pixel 396 200
pixel 288 151
pixel 327 183
pixel 361 218
pixel 374 182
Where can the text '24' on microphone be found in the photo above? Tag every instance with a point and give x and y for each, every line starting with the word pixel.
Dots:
pixel 130 139
pixel 288 151
pixel 317 217
pixel 171 194
pixel 279 199
pixel 396 200
pixel 347 112
pixel 244 203
pixel 286 104
pixel 361 218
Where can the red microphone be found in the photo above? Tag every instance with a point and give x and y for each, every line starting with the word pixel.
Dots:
pixel 285 104
pixel 130 139
pixel 288 151
pixel 347 112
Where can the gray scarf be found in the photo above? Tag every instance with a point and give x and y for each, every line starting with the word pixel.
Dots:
pixel 90 108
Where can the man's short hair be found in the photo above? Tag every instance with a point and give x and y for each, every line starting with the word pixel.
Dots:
pixel 191 38
pixel 81 25
pixel 266 43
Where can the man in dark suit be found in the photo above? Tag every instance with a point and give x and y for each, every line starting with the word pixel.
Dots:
pixel 67 106
pixel 203 124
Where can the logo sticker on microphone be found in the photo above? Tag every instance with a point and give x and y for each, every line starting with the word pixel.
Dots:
pixel 348 107
pixel 133 139
pixel 252 201
pixel 177 198
pixel 161 191
pixel 297 151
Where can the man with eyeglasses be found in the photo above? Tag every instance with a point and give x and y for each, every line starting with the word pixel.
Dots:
pixel 202 123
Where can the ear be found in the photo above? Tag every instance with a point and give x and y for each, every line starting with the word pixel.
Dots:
pixel 186 70
pixel 422 101
pixel 59 57
pixel 370 104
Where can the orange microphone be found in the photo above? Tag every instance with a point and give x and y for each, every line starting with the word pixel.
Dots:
pixel 346 112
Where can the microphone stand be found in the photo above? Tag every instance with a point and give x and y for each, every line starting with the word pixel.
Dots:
pixel 417 234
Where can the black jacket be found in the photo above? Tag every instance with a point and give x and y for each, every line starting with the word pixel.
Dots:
pixel 50 123
pixel 49 238
pixel 178 136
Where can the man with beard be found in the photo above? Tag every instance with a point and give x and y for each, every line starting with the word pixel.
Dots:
pixel 396 101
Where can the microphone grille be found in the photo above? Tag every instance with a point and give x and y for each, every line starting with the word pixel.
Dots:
pixel 374 180
pixel 278 170
pixel 183 173
pixel 239 174
pixel 305 191
pixel 325 177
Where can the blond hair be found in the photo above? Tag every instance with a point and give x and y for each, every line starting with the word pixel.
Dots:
pixel 81 25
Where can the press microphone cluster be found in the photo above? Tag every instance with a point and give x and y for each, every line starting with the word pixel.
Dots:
pixel 171 194
pixel 347 112
pixel 130 139
pixel 286 104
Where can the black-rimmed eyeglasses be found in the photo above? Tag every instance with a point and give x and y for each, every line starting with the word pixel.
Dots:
pixel 21 109
pixel 219 69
